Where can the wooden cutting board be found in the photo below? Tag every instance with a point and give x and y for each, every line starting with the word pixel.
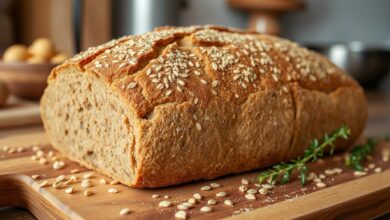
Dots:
pixel 346 195
pixel 19 112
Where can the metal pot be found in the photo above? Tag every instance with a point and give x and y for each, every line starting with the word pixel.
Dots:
pixel 140 16
pixel 368 65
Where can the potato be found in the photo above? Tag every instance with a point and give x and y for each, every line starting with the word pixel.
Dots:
pixel 42 47
pixel 15 53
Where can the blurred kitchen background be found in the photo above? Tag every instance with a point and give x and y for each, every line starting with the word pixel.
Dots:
pixel 361 25
pixel 355 34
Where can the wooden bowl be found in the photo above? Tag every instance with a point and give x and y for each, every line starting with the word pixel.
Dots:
pixel 25 80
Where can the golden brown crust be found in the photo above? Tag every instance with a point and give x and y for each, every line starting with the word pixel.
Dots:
pixel 215 101
pixel 273 61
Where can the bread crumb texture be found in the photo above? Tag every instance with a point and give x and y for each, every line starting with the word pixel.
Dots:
pixel 186 103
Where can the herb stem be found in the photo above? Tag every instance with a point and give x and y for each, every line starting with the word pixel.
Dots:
pixel 315 151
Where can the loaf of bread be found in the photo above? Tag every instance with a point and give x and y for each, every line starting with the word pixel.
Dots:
pixel 182 104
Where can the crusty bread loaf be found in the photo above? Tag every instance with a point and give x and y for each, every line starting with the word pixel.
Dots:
pixel 181 104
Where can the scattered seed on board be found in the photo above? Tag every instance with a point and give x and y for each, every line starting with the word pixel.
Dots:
pixel 243 188
pixel 205 188
pixel 267 186
pixel 103 181
pixel 338 170
pixel 88 193
pixel 5 148
pixel 215 185
pixel 244 181
pixel 50 153
pixel 197 196
pixel 114 182
pixel 251 191
pixel 85 184
pixel 221 194
pixel 192 200
pixel 165 204
pixel 58 165
pixel 317 180
pixel 112 190
pixel 188 204
pixel 44 183
pixel 228 202
pixel 74 171
pixel 182 207
pixel 60 178
pixel 312 176
pixel 250 196
pixel 359 173
pixel 211 202
pixel 69 190
pixel 329 172
pixel 42 161
pixel 86 181
pixel 124 211
pixel 321 185
pixel 36 148
pixel 181 214
pixel 206 209
pixel 57 185
pixel 88 175
pixel 155 196
pixel 263 191
pixel 40 153
pixel 35 177
pixel 69 182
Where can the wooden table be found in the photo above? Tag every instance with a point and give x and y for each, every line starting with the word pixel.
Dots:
pixel 378 125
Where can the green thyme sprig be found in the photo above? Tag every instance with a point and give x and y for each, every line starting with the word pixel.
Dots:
pixel 315 151
pixel 359 153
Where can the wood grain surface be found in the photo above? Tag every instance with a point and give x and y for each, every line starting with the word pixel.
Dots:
pixel 18 112
pixel 344 194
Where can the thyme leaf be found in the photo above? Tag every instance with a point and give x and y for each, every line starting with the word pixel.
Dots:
pixel 316 150
pixel 359 153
